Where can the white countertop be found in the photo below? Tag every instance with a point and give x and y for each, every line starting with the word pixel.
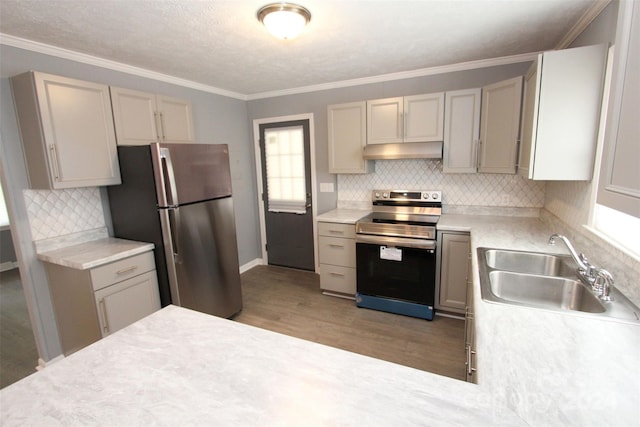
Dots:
pixel 344 216
pixel 94 253
pixel 551 368
pixel 181 367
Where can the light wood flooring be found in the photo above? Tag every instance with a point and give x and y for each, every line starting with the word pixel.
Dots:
pixel 18 353
pixel 290 302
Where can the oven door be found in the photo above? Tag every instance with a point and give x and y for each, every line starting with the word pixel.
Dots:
pixel 397 268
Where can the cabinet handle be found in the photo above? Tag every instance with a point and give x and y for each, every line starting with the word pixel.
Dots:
pixel 54 162
pixel 336 246
pixel 103 309
pixel 336 274
pixel 162 127
pixel 478 151
pixel 156 117
pixel 470 353
pixel 336 231
pixel 405 120
pixel 127 270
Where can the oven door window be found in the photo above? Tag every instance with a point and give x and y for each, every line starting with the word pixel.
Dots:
pixel 412 278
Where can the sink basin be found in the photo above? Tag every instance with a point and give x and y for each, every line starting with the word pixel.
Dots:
pixel 545 281
pixel 531 263
pixel 547 292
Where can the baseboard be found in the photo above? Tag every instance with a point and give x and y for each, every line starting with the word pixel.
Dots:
pixel 250 265
pixel 42 364
pixel 335 294
pixel 9 265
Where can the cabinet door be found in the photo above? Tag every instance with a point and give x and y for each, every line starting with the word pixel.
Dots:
pixel 385 120
pixel 424 117
pixel 126 302
pixel 134 114
pixel 461 131
pixel 569 96
pixel 67 131
pixel 453 273
pixel 347 132
pixel 176 122
pixel 500 126
pixel 529 119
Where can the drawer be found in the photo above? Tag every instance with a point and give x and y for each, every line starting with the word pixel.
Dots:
pixel 337 251
pixel 338 279
pixel 123 269
pixel 333 229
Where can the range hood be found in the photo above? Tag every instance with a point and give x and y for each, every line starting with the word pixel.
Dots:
pixel 406 150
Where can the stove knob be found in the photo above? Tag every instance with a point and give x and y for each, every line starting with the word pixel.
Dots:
pixel 377 195
pixel 425 195
pixel 385 195
pixel 434 196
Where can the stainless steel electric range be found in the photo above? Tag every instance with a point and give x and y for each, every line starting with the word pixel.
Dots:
pixel 396 252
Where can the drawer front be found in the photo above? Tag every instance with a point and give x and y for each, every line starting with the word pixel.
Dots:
pixel 333 229
pixel 338 279
pixel 336 251
pixel 123 269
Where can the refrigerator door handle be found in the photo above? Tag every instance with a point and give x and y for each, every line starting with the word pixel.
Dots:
pixel 167 166
pixel 174 232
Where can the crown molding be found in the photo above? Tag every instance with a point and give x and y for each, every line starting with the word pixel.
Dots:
pixel 422 72
pixel 71 55
pixel 585 20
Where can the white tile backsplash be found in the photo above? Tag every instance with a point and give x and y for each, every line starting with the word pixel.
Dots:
pixel 54 213
pixel 457 189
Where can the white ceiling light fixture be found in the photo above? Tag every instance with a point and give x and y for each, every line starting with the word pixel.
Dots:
pixel 284 20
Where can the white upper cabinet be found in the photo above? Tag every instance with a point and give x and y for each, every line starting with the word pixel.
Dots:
pixel 481 128
pixel 141 118
pixel 561 113
pixel 347 133
pixel 418 118
pixel 461 131
pixel 67 131
pixel 619 183
pixel 500 126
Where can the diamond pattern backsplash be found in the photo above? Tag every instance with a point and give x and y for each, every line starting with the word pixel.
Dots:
pixel 54 213
pixel 457 189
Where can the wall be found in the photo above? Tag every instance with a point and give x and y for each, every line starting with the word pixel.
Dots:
pixel 217 119
pixel 7 252
pixel 316 103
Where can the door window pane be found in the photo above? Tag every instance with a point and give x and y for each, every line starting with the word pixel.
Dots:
pixel 284 157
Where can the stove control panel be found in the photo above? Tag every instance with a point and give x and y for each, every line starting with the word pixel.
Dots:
pixel 402 195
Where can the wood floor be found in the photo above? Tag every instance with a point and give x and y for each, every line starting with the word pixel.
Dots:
pixel 289 301
pixel 18 353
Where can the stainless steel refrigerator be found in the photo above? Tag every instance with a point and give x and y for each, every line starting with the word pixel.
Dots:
pixel 178 196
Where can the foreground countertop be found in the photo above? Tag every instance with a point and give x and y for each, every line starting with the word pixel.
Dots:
pixel 181 367
pixel 95 252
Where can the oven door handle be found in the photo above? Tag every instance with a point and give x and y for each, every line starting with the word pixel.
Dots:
pixel 396 241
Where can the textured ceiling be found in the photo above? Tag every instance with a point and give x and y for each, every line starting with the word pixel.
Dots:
pixel 220 43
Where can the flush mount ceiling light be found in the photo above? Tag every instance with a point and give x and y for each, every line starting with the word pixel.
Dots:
pixel 284 20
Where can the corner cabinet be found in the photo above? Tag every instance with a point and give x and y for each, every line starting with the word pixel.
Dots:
pixel 67 131
pixel 417 118
pixel 481 128
pixel 141 118
pixel 91 304
pixel 347 136
pixel 454 253
pixel 561 114
pixel 337 255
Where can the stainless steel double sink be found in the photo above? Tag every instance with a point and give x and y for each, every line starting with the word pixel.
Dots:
pixel 547 281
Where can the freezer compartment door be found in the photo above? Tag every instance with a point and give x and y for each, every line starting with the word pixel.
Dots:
pixel 201 240
pixel 188 173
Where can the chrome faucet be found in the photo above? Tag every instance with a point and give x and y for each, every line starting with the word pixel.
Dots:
pixel 599 279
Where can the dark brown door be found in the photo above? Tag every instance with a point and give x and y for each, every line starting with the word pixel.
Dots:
pixel 286 193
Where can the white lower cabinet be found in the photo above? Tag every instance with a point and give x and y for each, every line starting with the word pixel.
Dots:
pixel 337 253
pixel 91 304
pixel 454 272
